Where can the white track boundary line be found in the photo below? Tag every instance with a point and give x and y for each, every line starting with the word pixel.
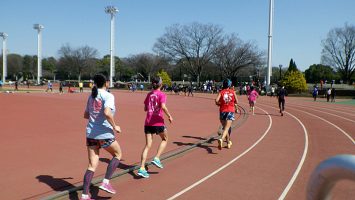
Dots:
pixel 324 108
pixel 227 164
pixel 337 127
pixel 300 164
pixel 303 158
pixel 341 130
pixel 326 113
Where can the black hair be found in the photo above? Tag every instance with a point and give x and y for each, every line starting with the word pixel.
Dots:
pixel 226 83
pixel 156 82
pixel 99 82
pixel 251 88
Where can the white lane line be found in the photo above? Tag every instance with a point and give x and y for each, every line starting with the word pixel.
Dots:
pixel 226 165
pixel 337 127
pixel 335 110
pixel 341 130
pixel 303 158
pixel 326 113
pixel 300 164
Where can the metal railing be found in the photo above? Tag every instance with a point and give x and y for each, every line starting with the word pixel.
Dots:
pixel 327 173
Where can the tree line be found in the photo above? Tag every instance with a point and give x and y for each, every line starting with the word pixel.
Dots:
pixel 191 52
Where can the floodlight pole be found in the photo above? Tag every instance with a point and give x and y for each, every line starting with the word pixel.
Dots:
pixel 269 53
pixel 39 27
pixel 4 56
pixel 112 11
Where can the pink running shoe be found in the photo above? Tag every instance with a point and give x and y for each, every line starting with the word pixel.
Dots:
pixel 88 198
pixel 107 187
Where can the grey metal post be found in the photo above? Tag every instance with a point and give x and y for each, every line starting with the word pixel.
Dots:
pixel 39 27
pixel 112 11
pixel 269 53
pixel 4 57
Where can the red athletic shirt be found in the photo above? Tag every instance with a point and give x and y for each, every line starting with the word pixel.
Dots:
pixel 227 101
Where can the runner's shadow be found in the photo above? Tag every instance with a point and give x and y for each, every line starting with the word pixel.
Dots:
pixel 203 146
pixel 58 184
pixel 194 137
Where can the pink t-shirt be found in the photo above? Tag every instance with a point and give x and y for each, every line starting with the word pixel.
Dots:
pixel 153 103
pixel 252 96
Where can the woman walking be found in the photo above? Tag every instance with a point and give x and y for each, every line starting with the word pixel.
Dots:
pixel 100 110
pixel 154 105
pixel 226 100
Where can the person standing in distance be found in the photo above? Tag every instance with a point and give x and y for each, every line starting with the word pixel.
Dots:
pixel 154 105
pixel 100 111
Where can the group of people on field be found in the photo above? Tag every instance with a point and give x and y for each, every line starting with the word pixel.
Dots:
pixel 328 93
pixel 101 127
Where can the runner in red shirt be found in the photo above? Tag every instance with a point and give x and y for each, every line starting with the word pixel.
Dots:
pixel 226 100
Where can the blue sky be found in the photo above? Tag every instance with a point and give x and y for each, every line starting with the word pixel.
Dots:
pixel 299 25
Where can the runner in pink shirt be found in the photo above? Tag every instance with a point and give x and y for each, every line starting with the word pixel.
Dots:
pixel 252 98
pixel 154 105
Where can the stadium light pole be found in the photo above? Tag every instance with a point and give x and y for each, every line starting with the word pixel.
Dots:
pixel 112 11
pixel 39 27
pixel 269 53
pixel 4 61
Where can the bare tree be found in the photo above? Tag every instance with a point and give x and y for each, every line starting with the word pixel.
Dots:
pixel 147 64
pixel 194 44
pixel 232 55
pixel 78 60
pixel 339 51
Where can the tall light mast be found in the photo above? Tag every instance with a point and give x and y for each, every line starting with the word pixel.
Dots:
pixel 39 28
pixel 4 57
pixel 112 11
pixel 269 53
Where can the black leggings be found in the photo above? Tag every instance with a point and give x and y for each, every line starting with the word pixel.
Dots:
pixel 282 104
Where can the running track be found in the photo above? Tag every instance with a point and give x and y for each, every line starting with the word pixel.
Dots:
pixel 272 156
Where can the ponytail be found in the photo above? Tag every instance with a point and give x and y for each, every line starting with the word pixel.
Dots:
pixel 94 92
pixel 99 82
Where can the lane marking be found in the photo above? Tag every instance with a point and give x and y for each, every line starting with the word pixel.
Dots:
pixel 324 108
pixel 303 158
pixel 337 127
pixel 300 164
pixel 227 164
pixel 341 130
pixel 326 113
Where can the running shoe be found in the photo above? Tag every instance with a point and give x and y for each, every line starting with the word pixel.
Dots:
pixel 220 143
pixel 86 198
pixel 157 163
pixel 229 145
pixel 107 187
pixel 143 173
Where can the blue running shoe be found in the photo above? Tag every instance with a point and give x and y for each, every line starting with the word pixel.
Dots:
pixel 157 163
pixel 143 173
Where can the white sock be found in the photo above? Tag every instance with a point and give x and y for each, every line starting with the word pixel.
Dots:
pixel 106 181
pixel 84 196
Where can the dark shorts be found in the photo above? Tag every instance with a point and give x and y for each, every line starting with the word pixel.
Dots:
pixel 226 116
pixel 154 129
pixel 104 143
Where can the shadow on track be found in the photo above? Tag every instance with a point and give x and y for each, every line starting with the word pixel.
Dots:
pixel 203 146
pixel 58 184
